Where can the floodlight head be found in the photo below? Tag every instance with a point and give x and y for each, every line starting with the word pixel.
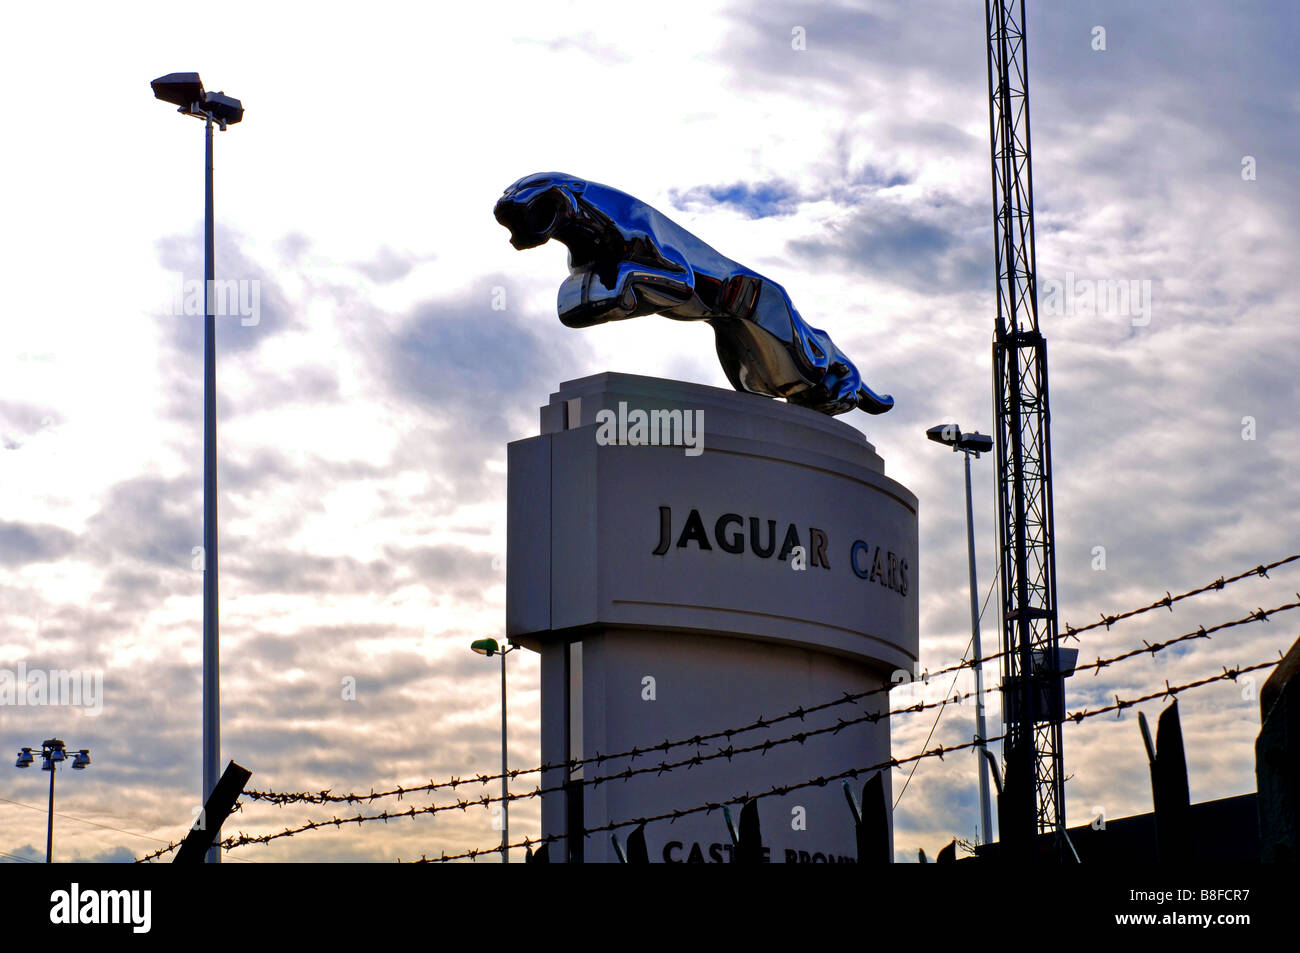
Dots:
pixel 488 647
pixel 975 442
pixel 179 89
pixel 81 760
pixel 224 109
pixel 947 434
pixel 24 758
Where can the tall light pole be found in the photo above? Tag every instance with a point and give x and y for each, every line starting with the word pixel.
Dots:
pixel 185 91
pixel 53 751
pixel 973 444
pixel 489 647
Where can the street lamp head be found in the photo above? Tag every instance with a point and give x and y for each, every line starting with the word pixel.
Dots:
pixel 488 647
pixel 975 442
pixel 24 758
pixel 950 435
pixel 947 434
pixel 185 90
pixel 81 760
pixel 225 109
pixel 180 89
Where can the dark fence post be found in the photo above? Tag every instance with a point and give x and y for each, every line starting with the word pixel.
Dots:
pixel 220 804
pixel 871 822
pixel 1277 762
pixel 1169 790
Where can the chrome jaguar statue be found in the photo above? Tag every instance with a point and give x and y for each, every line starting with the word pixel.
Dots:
pixel 626 260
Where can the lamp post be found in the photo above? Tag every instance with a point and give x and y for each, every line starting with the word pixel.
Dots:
pixel 185 91
pixel 973 444
pixel 489 647
pixel 52 752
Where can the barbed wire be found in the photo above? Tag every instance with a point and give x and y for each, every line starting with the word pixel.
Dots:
pixel 1169 691
pixel 662 766
pixel 1259 615
pixel 282 798
pixel 659 768
pixel 1168 601
pixel 161 851
pixel 729 752
pixel 173 845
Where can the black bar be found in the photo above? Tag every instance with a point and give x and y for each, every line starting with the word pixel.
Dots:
pixel 215 811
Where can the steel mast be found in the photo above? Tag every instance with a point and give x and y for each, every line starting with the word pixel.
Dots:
pixel 1034 800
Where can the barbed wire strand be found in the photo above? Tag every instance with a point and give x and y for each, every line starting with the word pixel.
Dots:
pixel 627 773
pixel 1169 691
pixel 1168 601
pixel 326 797
pixel 1120 704
pixel 282 798
pixel 1259 615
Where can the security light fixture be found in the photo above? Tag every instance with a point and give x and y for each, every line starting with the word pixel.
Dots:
pixel 53 751
pixel 225 109
pixel 179 89
pixel 947 434
pixel 185 91
pixel 950 435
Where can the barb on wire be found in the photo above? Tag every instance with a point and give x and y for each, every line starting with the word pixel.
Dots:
pixel 1168 601
pixel 155 854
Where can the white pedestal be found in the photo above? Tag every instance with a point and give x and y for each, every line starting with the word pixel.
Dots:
pixel 659 584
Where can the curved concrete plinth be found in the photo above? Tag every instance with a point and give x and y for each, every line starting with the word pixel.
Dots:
pixel 755 560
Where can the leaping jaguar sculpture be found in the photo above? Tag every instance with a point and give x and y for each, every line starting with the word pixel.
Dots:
pixel 626 259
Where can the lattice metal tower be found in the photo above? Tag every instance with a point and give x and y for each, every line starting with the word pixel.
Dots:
pixel 1031 706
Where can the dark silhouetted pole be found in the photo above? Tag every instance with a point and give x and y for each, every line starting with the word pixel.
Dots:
pixel 211 650
pixel 202 838
pixel 49 824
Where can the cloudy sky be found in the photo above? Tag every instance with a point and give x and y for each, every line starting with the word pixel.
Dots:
pixel 364 414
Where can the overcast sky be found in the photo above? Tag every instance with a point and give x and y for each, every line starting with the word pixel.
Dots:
pixel 364 415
